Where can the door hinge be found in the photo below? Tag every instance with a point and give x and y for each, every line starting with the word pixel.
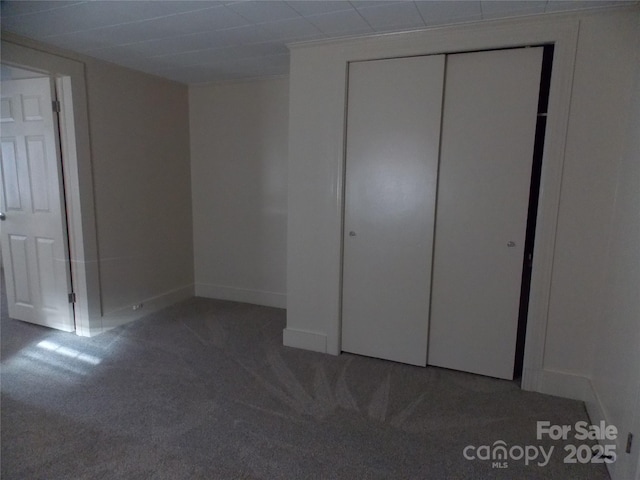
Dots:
pixel 72 297
pixel 629 442
pixel 55 104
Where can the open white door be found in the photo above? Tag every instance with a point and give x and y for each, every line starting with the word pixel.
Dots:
pixel 488 133
pixel 33 231
pixel 393 133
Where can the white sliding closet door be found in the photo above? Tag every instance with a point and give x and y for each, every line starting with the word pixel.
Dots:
pixel 488 132
pixel 393 132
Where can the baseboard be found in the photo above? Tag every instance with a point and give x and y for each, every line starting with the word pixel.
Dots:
pixel 564 384
pixel 577 387
pixel 594 405
pixel 126 314
pixel 623 467
pixel 244 295
pixel 316 342
pixel 90 332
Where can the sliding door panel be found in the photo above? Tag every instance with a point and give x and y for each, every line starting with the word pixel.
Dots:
pixel 488 130
pixel 393 133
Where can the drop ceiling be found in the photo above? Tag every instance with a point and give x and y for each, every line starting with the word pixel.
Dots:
pixel 211 41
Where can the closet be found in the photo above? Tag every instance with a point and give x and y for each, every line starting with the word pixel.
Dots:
pixel 439 153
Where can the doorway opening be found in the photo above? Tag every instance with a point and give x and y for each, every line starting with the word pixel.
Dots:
pixel 534 194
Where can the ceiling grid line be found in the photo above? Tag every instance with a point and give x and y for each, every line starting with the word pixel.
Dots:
pixel 420 13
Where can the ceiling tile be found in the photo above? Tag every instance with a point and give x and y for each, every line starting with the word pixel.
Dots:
pixel 195 41
pixel 245 35
pixel 562 5
pixel 61 20
pixel 374 3
pixel 265 50
pixel 444 12
pixel 162 28
pixel 306 7
pixel 147 9
pixel 264 11
pixel 213 18
pixel 183 43
pixel 400 15
pixel 111 36
pixel 10 9
pixel 506 8
pixel 81 42
pixel 295 28
pixel 347 22
pixel 97 14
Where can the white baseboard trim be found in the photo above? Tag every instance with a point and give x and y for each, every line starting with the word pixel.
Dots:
pixel 244 295
pixel 564 384
pixel 578 387
pixel 127 314
pixel 594 405
pixel 622 468
pixel 316 342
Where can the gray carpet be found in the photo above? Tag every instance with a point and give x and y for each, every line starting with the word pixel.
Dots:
pixel 205 389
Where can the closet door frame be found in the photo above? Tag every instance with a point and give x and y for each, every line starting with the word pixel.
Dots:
pixel 306 314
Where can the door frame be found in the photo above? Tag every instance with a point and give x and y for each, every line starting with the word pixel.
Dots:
pixel 313 302
pixel 69 77
pixel 539 328
pixel 564 41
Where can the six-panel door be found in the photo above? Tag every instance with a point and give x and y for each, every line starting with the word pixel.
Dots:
pixel 33 234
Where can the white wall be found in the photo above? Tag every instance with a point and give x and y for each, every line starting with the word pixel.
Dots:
pixel 616 357
pixel 239 187
pixel 578 185
pixel 602 89
pixel 139 128
pixel 130 204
